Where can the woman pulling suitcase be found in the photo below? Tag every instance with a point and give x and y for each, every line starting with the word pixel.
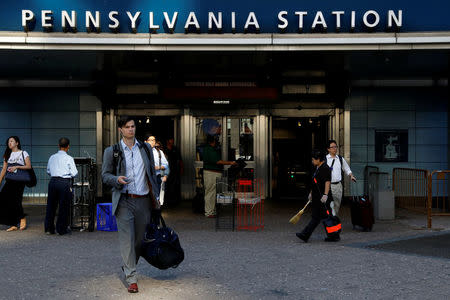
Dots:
pixel 320 196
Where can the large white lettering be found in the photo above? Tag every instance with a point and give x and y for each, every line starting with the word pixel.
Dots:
pixel 300 15
pixel 113 18
pixel 191 21
pixel 216 21
pixel 281 18
pixel 319 20
pixel 376 18
pixel 47 19
pixel 251 21
pixel 397 19
pixel 95 21
pixel 233 21
pixel 27 17
pixel 338 15
pixel 170 22
pixel 133 19
pixel 152 26
pixel 69 22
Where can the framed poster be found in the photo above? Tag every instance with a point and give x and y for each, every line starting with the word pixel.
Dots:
pixel 391 145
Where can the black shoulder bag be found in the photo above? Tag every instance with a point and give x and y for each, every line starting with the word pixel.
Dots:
pixel 161 246
pixel 26 176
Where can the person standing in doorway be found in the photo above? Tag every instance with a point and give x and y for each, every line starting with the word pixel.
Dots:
pixel 173 188
pixel 61 167
pixel 11 210
pixel 129 169
pixel 338 166
pixel 212 169
pixel 161 163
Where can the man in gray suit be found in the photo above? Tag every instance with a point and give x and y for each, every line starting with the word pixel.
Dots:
pixel 130 171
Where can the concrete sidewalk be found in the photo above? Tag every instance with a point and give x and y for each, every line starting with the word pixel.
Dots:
pixel 269 264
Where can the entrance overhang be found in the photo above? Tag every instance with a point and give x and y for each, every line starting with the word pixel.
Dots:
pixel 225 42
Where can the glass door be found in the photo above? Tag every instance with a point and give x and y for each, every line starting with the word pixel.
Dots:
pixel 240 144
pixel 204 127
pixel 235 142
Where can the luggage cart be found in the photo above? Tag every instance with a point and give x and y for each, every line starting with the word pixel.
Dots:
pixel 249 204
pixel 82 208
pixel 225 211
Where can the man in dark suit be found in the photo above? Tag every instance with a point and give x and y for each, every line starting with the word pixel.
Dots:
pixel 130 170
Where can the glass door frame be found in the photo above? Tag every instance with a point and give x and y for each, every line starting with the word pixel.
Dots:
pixel 224 137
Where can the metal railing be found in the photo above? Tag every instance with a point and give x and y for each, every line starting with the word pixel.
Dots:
pixel 438 201
pixel 410 188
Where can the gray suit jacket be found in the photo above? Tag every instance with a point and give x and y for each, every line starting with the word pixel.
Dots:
pixel 110 179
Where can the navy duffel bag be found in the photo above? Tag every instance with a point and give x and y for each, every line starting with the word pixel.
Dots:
pixel 161 246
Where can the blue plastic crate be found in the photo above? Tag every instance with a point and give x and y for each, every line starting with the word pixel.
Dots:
pixel 105 219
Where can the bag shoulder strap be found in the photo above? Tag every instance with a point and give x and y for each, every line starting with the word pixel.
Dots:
pixel 332 164
pixel 148 153
pixel 23 157
pixel 159 154
pixel 342 167
pixel 117 154
pixel 340 160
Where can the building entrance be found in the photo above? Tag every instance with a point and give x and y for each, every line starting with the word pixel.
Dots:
pixel 160 127
pixel 292 142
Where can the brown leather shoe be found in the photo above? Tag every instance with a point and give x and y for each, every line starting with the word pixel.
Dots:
pixel 133 288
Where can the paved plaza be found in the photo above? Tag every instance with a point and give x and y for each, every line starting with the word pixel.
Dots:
pixel 269 264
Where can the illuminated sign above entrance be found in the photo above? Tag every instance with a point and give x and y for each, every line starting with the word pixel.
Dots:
pixel 93 20
pixel 231 16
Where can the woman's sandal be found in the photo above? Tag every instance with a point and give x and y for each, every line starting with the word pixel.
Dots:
pixel 23 224
pixel 12 228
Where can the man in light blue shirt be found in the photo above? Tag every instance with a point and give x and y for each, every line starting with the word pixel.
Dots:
pixel 61 167
pixel 136 182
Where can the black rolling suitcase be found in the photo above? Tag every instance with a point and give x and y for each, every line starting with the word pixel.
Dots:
pixel 362 213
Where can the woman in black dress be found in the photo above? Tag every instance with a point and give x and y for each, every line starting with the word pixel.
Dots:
pixel 11 210
pixel 320 195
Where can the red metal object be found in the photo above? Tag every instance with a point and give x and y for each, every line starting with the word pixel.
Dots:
pixel 249 204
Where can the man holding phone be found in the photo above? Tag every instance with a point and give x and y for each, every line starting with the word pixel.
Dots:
pixel 129 168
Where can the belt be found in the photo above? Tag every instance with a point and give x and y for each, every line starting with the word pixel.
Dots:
pixel 215 171
pixel 60 178
pixel 336 182
pixel 134 195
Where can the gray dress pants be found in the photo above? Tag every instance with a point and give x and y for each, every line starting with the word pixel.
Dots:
pixel 132 215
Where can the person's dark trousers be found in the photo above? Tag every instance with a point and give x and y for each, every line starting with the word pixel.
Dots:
pixel 12 209
pixel 59 194
pixel 159 181
pixel 307 232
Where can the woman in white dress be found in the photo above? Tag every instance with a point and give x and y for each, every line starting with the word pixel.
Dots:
pixel 11 210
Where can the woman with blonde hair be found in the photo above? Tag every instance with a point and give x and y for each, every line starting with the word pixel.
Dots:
pixel 11 210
